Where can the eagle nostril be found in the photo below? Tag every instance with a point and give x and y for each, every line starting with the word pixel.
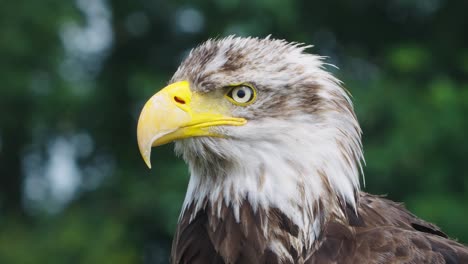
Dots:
pixel 179 100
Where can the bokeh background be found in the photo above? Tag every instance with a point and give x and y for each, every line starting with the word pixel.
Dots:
pixel 74 75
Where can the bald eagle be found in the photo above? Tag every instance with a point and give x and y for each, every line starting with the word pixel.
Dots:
pixel 274 152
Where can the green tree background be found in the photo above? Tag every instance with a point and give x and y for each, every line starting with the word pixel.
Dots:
pixel 74 75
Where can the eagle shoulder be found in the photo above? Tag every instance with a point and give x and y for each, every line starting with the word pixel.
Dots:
pixel 383 231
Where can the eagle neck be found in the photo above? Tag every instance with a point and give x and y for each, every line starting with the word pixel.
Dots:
pixel 307 174
pixel 272 186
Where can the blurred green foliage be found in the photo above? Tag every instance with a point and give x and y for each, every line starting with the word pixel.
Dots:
pixel 74 75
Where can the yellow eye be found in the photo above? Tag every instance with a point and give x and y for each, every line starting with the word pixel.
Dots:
pixel 241 95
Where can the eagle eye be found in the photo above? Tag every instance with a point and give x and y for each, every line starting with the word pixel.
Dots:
pixel 243 94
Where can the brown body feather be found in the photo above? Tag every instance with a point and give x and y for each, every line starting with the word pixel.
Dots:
pixel 382 231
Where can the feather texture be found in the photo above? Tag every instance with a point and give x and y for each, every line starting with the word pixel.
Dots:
pixel 381 232
pixel 284 187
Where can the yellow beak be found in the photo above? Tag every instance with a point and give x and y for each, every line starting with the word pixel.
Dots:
pixel 172 114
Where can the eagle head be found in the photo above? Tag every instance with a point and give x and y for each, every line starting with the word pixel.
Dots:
pixel 258 121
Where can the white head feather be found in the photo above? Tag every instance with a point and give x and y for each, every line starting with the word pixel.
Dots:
pixel 301 144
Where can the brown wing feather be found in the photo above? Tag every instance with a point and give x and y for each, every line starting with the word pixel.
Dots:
pixel 378 211
pixel 385 232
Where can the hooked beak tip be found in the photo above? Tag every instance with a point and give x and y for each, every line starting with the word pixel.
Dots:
pixel 146 155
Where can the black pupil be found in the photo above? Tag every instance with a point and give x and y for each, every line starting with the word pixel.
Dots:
pixel 240 93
